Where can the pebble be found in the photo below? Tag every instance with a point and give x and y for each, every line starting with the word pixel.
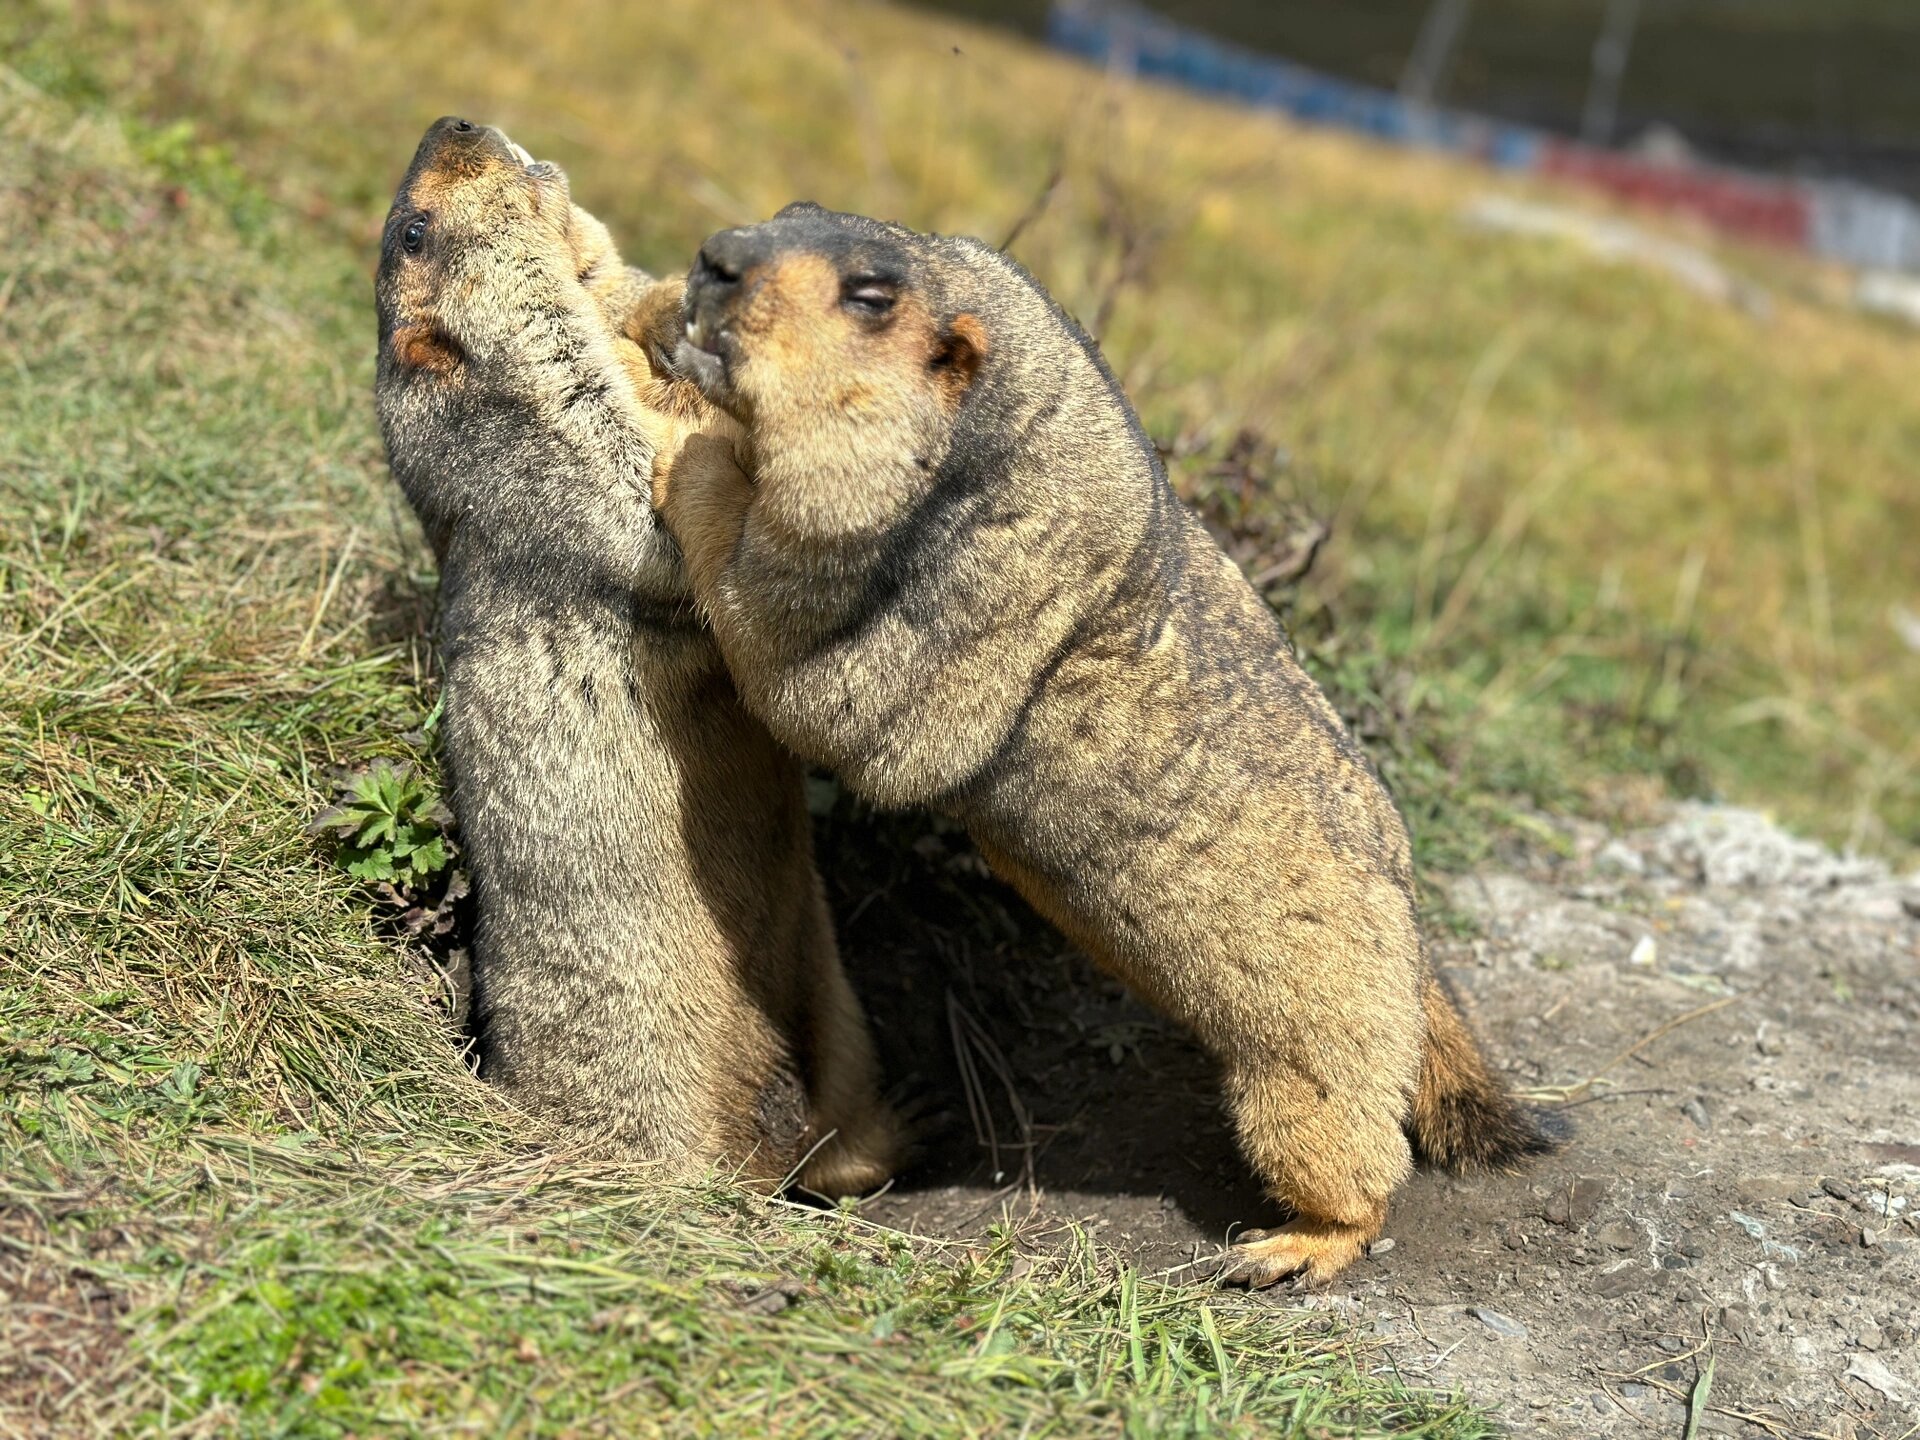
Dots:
pixel 1758 1189
pixel 1380 1247
pixel 1615 1283
pixel 1577 1203
pixel 1645 951
pixel 1500 1324
pixel 1620 1235
pixel 1870 1338
pixel 1695 1111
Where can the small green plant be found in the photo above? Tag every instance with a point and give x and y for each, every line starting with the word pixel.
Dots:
pixel 391 827
pixel 393 832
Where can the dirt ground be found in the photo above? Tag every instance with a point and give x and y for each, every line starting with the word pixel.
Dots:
pixel 1743 1187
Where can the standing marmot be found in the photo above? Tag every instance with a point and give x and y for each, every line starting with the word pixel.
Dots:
pixel 653 956
pixel 959 576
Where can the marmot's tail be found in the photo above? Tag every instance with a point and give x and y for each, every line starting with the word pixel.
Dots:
pixel 1463 1117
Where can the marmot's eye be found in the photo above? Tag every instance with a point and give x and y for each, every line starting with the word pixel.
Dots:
pixel 415 232
pixel 868 295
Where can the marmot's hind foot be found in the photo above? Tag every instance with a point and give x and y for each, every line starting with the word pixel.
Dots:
pixel 1314 1250
pixel 855 1159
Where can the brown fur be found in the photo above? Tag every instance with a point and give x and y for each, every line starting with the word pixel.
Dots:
pixel 952 568
pixel 654 963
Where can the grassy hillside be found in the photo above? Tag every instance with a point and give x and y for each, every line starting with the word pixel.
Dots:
pixel 1585 522
pixel 1591 537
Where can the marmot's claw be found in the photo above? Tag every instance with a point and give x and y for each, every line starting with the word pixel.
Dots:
pixel 1247 1268
pixel 1311 1253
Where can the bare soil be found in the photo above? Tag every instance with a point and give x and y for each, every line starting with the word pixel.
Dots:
pixel 1727 1014
pixel 59 1323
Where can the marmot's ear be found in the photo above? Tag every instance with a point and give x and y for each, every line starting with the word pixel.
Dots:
pixel 427 347
pixel 958 357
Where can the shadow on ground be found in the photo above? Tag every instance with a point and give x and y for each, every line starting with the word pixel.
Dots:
pixel 1028 1071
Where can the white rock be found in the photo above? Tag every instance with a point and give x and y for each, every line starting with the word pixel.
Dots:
pixel 1619 856
pixel 1873 1371
pixel 1742 849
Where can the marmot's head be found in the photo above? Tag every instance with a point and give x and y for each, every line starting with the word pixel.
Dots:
pixel 481 238
pixel 818 306
pixel 872 363
pixel 833 338
pixel 492 295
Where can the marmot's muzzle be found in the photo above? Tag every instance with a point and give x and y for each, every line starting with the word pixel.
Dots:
pixel 452 143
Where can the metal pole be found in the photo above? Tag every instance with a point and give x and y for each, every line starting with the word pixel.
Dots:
pixel 1610 53
pixel 1433 50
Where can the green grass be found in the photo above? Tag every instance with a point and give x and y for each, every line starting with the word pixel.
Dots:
pixel 1594 540
pixel 247 1184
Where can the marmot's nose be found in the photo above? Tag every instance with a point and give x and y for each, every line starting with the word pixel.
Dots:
pixel 726 257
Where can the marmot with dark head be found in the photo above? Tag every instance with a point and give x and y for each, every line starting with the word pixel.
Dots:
pixel 953 570
pixel 653 957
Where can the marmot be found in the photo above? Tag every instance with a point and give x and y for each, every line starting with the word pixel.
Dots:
pixel 653 957
pixel 952 569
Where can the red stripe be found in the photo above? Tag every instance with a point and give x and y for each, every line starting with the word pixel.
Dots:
pixel 1776 212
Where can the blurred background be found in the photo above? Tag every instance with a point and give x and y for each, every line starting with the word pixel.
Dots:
pixel 1790 85
pixel 1549 364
